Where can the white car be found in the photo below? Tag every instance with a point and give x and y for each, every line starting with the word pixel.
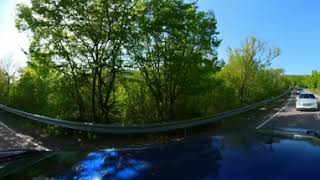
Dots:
pixel 306 102
pixel 299 91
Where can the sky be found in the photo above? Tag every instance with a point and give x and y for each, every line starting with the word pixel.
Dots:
pixel 292 25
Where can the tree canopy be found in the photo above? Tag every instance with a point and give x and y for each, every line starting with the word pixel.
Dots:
pixel 249 74
pixel 134 62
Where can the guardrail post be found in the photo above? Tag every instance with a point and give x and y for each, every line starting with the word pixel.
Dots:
pixel 129 137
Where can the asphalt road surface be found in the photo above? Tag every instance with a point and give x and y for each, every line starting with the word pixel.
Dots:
pixel 10 139
pixel 289 117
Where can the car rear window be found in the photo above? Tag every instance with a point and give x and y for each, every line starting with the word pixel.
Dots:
pixel 307 96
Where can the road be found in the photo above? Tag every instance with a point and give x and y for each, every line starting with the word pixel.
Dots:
pixel 289 117
pixel 10 139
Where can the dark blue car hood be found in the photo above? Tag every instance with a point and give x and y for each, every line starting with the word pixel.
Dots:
pixel 231 156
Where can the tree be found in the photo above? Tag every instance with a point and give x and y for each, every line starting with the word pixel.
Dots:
pixel 85 40
pixel 298 80
pixel 8 71
pixel 173 54
pixel 245 67
pixel 313 81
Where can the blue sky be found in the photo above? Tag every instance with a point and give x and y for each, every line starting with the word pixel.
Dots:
pixel 292 25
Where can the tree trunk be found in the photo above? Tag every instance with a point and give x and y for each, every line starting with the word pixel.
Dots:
pixel 93 96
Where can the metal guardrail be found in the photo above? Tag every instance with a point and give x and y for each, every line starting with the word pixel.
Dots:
pixel 136 129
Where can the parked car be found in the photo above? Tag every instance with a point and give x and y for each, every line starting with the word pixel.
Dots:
pixel 306 101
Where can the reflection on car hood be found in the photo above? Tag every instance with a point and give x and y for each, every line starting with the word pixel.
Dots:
pixel 230 156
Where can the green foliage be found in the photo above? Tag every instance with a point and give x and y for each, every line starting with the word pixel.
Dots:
pixel 126 62
pixel 33 88
pixel 3 86
pixel 85 41
pixel 249 74
pixel 313 81
pixel 297 80
pixel 176 55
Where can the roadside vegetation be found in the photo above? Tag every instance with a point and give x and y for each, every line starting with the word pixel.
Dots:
pixel 313 81
pixel 298 80
pixel 133 62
